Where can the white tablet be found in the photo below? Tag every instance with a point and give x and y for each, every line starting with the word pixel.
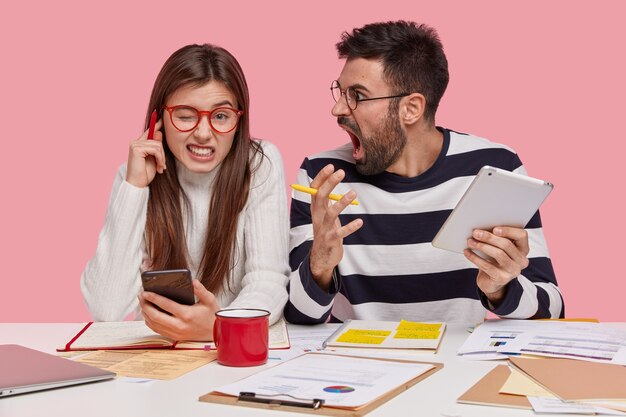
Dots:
pixel 496 197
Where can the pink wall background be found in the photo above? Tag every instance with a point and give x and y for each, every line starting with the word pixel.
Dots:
pixel 546 78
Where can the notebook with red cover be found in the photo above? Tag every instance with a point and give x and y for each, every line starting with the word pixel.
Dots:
pixel 113 335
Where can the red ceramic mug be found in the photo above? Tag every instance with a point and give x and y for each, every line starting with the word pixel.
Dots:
pixel 241 336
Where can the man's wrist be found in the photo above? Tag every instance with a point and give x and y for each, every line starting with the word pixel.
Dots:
pixel 496 297
pixel 323 277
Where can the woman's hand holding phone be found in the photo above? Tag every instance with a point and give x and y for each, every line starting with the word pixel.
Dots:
pixel 185 322
pixel 146 157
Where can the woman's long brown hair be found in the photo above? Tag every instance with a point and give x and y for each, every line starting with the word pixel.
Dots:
pixel 197 65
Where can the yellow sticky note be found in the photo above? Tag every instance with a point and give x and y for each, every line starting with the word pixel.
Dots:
pixel 367 332
pixel 413 325
pixel 416 334
pixel 363 339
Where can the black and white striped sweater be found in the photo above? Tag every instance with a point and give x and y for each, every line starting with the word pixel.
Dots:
pixel 390 270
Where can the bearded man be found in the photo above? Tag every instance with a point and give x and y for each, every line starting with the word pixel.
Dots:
pixel 375 260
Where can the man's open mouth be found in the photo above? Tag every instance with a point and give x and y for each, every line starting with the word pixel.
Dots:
pixel 358 153
pixel 355 141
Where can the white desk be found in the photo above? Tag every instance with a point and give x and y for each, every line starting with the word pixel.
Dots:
pixel 434 396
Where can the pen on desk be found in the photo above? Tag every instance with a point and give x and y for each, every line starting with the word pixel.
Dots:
pixel 313 191
pixel 336 333
pixel 314 403
pixel 153 119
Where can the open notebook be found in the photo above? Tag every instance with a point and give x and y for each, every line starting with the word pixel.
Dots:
pixel 26 370
pixel 373 334
pixel 136 335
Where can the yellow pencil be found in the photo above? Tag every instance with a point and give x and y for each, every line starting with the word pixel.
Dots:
pixel 313 191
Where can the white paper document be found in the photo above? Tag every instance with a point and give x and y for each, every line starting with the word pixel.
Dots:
pixel 492 335
pixel 339 380
pixel 596 342
pixel 555 406
pixel 311 338
pixel 303 340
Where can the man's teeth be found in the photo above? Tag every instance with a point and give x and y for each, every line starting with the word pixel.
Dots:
pixel 201 151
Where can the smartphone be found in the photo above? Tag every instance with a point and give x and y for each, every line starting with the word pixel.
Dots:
pixel 174 284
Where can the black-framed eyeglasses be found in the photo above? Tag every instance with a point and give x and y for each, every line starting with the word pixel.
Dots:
pixel 352 97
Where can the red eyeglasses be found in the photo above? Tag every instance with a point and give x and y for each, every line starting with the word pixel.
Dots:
pixel 187 118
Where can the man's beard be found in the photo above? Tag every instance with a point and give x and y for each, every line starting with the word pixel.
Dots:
pixel 383 147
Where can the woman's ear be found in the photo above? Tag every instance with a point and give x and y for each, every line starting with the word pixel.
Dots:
pixel 412 108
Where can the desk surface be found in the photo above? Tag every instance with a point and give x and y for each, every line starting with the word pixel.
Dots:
pixel 434 396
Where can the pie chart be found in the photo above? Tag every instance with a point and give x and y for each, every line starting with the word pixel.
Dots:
pixel 339 389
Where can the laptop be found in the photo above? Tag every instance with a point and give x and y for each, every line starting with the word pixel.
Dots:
pixel 25 370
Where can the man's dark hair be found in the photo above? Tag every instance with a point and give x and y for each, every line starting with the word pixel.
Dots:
pixel 412 57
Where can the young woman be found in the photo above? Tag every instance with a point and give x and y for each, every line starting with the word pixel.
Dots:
pixel 200 195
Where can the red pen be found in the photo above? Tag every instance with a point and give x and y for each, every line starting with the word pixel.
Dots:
pixel 153 118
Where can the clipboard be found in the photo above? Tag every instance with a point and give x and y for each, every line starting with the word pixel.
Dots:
pixel 322 409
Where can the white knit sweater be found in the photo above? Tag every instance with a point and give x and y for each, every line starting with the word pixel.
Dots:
pixel 111 280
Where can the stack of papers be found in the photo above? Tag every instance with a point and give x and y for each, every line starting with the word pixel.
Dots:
pixel 595 342
pixel 574 383
pixel 553 386
pixel 149 364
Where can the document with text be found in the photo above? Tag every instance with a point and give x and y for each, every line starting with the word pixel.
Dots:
pixel 340 381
